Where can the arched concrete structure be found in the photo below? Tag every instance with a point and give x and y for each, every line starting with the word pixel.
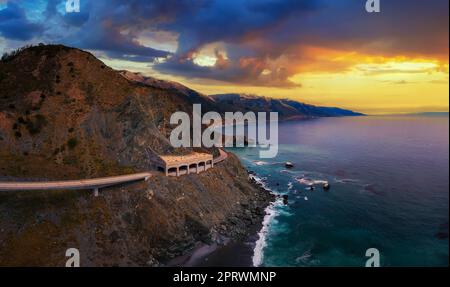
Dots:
pixel 185 164
pixel 201 166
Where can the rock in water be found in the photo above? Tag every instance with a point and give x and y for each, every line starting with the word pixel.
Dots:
pixel 285 199
pixel 289 164
pixel 326 186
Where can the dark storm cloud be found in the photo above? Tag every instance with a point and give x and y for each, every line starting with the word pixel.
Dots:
pixel 111 27
pixel 15 25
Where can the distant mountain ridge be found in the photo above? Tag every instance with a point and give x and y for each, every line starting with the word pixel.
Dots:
pixel 287 109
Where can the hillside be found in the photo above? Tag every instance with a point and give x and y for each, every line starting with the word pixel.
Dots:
pixel 287 109
pixel 66 115
pixel 64 107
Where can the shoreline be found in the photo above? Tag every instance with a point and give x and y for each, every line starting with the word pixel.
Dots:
pixel 229 252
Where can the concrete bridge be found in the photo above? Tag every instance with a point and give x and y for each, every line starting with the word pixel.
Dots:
pixel 94 184
pixel 175 166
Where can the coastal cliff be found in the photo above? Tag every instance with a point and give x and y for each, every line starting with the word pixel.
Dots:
pixel 143 224
pixel 66 115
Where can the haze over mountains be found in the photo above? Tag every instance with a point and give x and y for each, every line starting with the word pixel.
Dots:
pixel 287 109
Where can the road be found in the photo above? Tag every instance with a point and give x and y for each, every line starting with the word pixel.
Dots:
pixel 223 156
pixel 94 183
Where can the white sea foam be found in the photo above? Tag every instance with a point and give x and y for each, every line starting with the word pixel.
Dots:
pixel 261 243
pixel 309 182
pixel 290 185
pixel 259 162
pixel 260 181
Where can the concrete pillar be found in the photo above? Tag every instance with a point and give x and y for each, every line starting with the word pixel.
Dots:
pixel 196 168
pixel 178 171
pixel 95 192
pixel 167 171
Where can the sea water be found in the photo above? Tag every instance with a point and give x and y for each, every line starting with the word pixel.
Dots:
pixel 389 191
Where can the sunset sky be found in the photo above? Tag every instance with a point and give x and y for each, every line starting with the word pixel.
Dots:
pixel 323 52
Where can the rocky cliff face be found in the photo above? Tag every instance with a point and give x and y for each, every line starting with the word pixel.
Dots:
pixel 64 114
pixel 143 224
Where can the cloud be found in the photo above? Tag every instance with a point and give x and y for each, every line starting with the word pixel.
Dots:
pixel 263 32
pixel 112 29
pixel 248 71
pixel 252 42
pixel 15 25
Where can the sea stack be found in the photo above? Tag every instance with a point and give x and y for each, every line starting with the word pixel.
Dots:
pixel 285 199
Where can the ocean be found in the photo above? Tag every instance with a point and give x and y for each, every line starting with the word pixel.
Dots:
pixel 389 178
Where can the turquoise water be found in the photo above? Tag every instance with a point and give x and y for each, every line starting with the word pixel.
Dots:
pixel 389 190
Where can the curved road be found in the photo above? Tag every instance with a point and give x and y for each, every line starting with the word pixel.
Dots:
pixel 223 156
pixel 93 184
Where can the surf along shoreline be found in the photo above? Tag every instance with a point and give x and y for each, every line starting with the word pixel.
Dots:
pixel 243 251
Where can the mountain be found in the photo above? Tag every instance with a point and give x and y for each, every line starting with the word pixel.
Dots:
pixel 287 109
pixel 65 107
pixel 64 114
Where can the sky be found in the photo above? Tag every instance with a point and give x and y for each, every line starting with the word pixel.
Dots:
pixel 323 52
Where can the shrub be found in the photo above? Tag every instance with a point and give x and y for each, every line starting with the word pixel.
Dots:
pixel 35 126
pixel 72 143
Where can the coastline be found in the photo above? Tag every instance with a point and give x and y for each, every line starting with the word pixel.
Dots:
pixel 228 251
